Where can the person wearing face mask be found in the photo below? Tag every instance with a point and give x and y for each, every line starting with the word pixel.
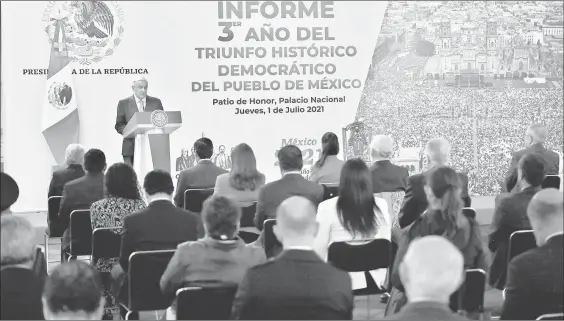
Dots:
pixel 443 217
pixel 127 107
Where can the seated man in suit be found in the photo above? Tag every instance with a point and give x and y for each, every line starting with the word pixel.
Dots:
pixel 9 193
pixel 431 271
pixel 386 177
pixel 73 291
pixel 534 278
pixel 537 135
pixel 298 284
pixel 160 226
pixel 21 286
pixel 292 183
pixel 202 175
pixel 74 157
pixel 510 215
pixel 415 201
pixel 80 193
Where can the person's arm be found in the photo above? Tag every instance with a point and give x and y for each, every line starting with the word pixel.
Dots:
pixel 126 245
pixel 511 175
pixel 517 295
pixel 173 276
pixel 159 104
pixel 314 177
pixel 465 195
pixel 218 186
pixel 242 304
pixel 180 188
pixel 64 209
pixel 408 211
pixel 121 122
pixel 261 214
pixel 323 237
pixel 402 249
pixel 496 225
pixel 53 186
pixel 404 179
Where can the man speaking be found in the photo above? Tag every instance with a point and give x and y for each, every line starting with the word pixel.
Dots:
pixel 127 107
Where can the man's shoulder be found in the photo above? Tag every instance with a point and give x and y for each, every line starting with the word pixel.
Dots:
pixel 125 100
pixel 155 99
pixel 416 179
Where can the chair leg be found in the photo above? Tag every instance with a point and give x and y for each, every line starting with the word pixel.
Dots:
pixel 46 244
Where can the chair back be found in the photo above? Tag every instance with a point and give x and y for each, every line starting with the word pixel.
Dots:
pixel 551 316
pixel 248 215
pixel 248 237
pixel 469 212
pixel 519 242
pixel 360 256
pixel 194 198
pixel 394 200
pixel 330 191
pixel 80 230
pixel 551 181
pixel 53 223
pixel 470 296
pixel 106 243
pixel 145 271
pixel 193 303
pixel 271 243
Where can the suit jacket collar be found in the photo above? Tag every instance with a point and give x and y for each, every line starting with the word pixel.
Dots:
pixel 530 190
pixel 74 166
pixel 292 176
pixel 537 146
pixel 299 255
pixel 222 244
pixel 161 204
pixel 205 162
pixel 381 163
pixel 426 305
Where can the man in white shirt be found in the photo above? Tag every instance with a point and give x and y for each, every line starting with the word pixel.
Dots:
pixel 534 278
pixel 127 107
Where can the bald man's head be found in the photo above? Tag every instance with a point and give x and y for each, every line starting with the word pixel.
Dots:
pixel 537 133
pixel 295 222
pixel 432 269
pixel 546 213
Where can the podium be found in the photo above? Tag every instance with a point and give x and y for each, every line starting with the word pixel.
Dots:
pixel 151 132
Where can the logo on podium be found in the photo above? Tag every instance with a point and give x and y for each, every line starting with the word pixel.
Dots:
pixel 159 118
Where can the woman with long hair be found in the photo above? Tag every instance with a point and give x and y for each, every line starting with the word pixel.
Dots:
pixel 122 198
pixel 443 217
pixel 354 215
pixel 244 180
pixel 327 169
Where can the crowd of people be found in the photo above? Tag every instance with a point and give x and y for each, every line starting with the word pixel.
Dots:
pixel 377 204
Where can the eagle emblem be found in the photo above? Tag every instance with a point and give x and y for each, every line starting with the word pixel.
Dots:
pixel 59 95
pixel 159 118
pixel 86 31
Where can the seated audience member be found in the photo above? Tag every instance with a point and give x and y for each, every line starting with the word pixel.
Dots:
pixel 9 193
pixel 74 157
pixel 537 135
pixel 243 182
pixel 160 226
pixel 296 285
pixel 353 215
pixel 220 258
pixel 80 193
pixel 386 177
pixel 292 183
pixel 510 215
pixel 431 271
pixel 327 169
pixel 415 201
pixel 202 175
pixel 73 291
pixel 444 218
pixel 534 278
pixel 122 198
pixel 21 286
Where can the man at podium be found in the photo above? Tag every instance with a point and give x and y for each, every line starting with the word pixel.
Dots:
pixel 127 107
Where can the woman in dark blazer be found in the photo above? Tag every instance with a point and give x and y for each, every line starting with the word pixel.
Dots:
pixel 443 217
pixel 220 258
pixel 122 198
pixel 74 157
pixel 327 170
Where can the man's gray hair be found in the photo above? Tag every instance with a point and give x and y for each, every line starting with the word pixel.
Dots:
pixel 74 154
pixel 438 150
pixel 382 146
pixel 538 133
pixel 18 240
pixel 139 78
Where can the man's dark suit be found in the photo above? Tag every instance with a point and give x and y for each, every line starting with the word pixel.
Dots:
pixel 550 158
pixel 63 176
pixel 79 195
pixel 415 200
pixel 387 177
pixel 425 311
pixel 202 175
pixel 297 285
pixel 272 194
pixel 510 215
pixel 534 282
pixel 160 226
pixel 21 294
pixel 126 108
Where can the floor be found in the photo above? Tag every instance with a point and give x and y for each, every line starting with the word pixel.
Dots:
pixel 484 211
